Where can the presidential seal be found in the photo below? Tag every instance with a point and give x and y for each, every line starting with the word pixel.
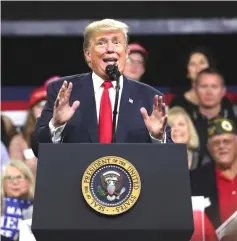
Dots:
pixel 111 185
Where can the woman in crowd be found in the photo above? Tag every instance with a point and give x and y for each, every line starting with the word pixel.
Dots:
pixel 200 58
pixel 20 146
pixel 183 131
pixel 17 195
pixel 8 130
pixel 135 66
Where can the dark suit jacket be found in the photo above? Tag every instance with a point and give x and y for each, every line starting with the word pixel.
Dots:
pixel 203 183
pixel 83 127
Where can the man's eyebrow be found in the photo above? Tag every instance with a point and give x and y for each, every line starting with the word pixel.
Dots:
pixel 101 38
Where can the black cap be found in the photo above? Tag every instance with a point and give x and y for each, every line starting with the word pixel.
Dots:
pixel 221 126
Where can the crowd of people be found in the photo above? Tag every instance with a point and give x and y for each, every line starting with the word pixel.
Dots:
pixel 203 118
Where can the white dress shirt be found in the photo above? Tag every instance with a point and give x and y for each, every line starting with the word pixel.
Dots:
pixel 98 90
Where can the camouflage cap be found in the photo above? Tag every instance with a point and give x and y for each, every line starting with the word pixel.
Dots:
pixel 221 126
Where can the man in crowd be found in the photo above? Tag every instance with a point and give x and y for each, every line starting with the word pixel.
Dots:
pixel 210 89
pixel 217 180
pixel 135 65
pixel 79 107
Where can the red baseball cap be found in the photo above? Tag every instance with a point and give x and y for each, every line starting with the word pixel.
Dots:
pixel 51 79
pixel 37 95
pixel 136 47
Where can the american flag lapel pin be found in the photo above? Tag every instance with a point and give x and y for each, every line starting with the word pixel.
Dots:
pixel 130 100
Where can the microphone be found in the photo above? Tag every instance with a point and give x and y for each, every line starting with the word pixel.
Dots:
pixel 112 71
pixel 114 74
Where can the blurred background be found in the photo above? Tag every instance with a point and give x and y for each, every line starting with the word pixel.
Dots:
pixel 44 39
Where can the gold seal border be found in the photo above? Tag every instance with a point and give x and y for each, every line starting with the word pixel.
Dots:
pixel 120 162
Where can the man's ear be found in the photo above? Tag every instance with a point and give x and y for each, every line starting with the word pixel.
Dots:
pixel 127 55
pixel 127 51
pixel 87 55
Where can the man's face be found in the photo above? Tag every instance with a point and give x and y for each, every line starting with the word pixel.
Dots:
pixel 210 90
pixel 223 149
pixel 106 48
pixel 134 68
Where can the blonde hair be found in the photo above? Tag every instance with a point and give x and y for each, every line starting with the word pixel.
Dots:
pixel 25 170
pixel 104 25
pixel 173 113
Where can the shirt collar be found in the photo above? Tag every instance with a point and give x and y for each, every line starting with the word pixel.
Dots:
pixel 197 115
pixel 98 81
pixel 220 176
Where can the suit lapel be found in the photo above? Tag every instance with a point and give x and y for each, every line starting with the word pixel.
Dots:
pixel 89 109
pixel 125 110
pixel 90 115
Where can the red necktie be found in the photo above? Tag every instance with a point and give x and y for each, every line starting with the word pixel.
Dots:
pixel 105 118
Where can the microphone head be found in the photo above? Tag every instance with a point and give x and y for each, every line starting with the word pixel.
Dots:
pixel 112 71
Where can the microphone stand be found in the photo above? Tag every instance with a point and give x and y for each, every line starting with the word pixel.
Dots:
pixel 115 112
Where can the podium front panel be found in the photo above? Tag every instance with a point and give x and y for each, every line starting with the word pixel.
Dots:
pixel 163 210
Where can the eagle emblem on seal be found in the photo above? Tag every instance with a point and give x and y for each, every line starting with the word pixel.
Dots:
pixel 111 185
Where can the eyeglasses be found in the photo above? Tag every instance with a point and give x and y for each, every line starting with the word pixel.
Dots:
pixel 133 61
pixel 226 142
pixel 19 178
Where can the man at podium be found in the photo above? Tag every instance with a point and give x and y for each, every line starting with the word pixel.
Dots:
pixel 102 106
